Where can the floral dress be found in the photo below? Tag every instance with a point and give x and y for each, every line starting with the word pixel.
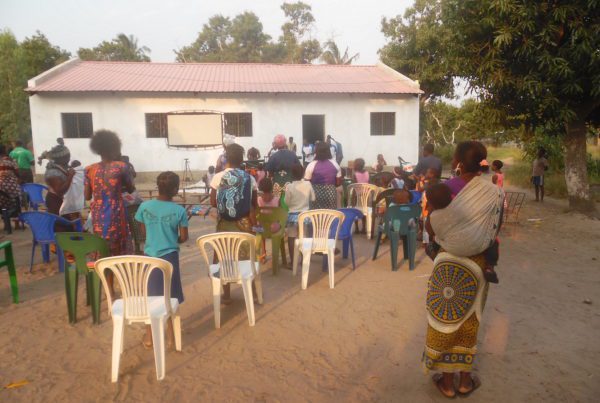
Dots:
pixel 9 183
pixel 109 218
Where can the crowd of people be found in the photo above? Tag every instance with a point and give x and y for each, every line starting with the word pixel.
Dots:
pixel 459 224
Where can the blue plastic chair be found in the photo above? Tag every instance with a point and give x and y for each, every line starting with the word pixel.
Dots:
pixel 42 228
pixel 35 194
pixel 396 224
pixel 351 215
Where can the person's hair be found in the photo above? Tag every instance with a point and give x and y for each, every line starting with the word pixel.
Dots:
pixel 211 169
pixel 541 152
pixel 234 154
pixel 428 148
pixel 323 152
pixel 168 183
pixel 106 144
pixel 439 196
pixel 2 149
pixel 253 153
pixel 265 185
pixel 75 163
pixel 291 138
pixel 498 164
pixel 436 172
pixel 470 154
pixel 397 194
pixel 297 172
pixel 359 165
pixel 60 141
pixel 19 143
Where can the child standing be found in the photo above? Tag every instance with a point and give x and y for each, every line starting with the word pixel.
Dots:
pixel 498 177
pixel 267 198
pixel 540 165
pixel 207 178
pixel 298 195
pixel 166 226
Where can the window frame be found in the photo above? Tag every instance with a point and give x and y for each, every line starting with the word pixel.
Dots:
pixel 249 130
pixel 380 131
pixel 163 124
pixel 78 124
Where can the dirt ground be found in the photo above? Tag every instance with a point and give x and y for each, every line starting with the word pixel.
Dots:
pixel 361 341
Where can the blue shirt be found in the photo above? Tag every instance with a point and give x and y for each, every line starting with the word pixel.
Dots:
pixel 162 220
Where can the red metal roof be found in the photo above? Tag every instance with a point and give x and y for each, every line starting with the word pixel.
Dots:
pixel 80 76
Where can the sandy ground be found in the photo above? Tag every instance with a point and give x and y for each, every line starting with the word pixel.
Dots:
pixel 361 341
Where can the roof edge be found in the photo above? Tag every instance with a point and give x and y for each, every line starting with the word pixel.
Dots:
pixel 411 83
pixel 48 74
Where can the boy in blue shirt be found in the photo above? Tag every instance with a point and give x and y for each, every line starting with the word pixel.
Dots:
pixel 166 226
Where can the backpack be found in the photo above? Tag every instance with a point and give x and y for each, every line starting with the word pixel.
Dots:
pixel 234 196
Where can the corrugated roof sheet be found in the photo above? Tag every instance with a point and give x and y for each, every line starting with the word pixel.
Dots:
pixel 87 76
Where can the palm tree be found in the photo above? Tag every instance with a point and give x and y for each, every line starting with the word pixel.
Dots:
pixel 130 50
pixel 332 55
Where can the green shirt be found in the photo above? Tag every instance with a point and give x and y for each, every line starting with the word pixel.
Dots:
pixel 162 220
pixel 22 156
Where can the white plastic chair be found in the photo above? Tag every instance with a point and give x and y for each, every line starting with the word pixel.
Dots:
pixel 321 223
pixel 132 274
pixel 365 195
pixel 230 269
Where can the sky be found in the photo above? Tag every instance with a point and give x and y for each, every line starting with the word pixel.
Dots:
pixel 164 25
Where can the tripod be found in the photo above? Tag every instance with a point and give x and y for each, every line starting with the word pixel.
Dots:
pixel 187 175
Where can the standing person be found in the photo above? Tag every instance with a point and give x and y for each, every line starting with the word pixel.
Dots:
pixel 166 226
pixel 337 151
pixel 222 160
pixel 498 176
pixel 457 289
pixel 428 160
pixel 279 166
pixel 308 152
pixel 10 191
pixel 104 184
pixel 291 145
pixel 233 193
pixel 253 154
pixel 24 159
pixel 540 166
pixel 324 174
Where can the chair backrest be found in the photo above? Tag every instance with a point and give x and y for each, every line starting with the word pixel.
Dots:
pixel 80 245
pixel 416 196
pixel 271 215
pixel 513 201
pixel 41 224
pixel 397 218
pixel 226 246
pixel 321 222
pixel 132 273
pixel 35 193
pixel 139 237
pixel 365 193
pixel 350 216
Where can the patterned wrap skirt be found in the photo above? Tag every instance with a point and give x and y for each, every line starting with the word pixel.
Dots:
pixel 456 296
pixel 325 197
pixel 241 225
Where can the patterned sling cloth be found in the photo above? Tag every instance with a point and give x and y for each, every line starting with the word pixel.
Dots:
pixel 456 295
pixel 325 197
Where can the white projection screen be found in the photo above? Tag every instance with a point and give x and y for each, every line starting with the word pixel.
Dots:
pixel 195 129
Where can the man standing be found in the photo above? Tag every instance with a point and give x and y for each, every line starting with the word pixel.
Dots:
pixel 308 152
pixel 291 145
pixel 24 159
pixel 336 149
pixel 279 166
pixel 427 161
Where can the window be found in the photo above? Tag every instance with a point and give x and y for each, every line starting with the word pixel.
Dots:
pixel 77 125
pixel 383 123
pixel 156 125
pixel 238 124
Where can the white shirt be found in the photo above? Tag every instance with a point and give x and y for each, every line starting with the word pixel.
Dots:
pixel 333 149
pixel 216 180
pixel 298 195
pixel 309 153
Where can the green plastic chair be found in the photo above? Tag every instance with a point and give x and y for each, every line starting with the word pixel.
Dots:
pixel 80 245
pixel 396 224
pixel 9 262
pixel 134 226
pixel 265 218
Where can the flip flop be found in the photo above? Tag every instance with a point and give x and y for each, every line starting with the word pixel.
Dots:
pixel 436 378
pixel 476 382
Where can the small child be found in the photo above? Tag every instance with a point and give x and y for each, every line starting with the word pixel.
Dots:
pixel 207 178
pixel 360 175
pixel 298 195
pixel 540 166
pixel 498 177
pixel 431 178
pixel 439 197
pixel 166 226
pixel 398 181
pixel 267 198
pixel 401 196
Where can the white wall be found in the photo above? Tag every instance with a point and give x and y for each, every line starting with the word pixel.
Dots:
pixel 347 119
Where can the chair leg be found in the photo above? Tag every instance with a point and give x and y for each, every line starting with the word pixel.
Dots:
pixel 345 244
pixel 282 249
pixel 331 259
pixel 352 252
pixel 158 341
pixel 405 246
pixel 71 284
pixel 46 253
pixel 12 273
pixel 118 329
pixel 305 267
pixel 247 289
pixel 216 288
pixel 177 331
pixel 96 292
pixel 275 246
pixel 295 257
pixel 369 223
pixel 377 243
pixel 32 256
pixel 412 249
pixel 60 257
pixel 394 249
pixel 259 290
pixel 88 289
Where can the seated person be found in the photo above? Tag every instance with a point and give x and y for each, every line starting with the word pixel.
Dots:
pixel 401 196
pixel 398 181
pixel 360 174
pixel 298 196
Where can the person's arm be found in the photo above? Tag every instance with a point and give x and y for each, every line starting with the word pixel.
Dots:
pixel 495 179
pixel 87 187
pixel 30 158
pixel 128 180
pixel 213 198
pixel 183 227
pixel 252 214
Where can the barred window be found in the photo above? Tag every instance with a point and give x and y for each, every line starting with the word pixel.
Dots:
pixel 77 125
pixel 238 124
pixel 383 123
pixel 156 125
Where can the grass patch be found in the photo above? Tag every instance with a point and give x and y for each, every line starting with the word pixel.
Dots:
pixel 504 153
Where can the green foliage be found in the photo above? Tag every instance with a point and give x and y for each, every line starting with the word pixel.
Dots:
pixel 122 48
pixel 18 63
pixel 242 40
pixel 552 143
pixel 332 54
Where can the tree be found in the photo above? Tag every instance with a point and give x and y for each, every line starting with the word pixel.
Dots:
pixel 247 38
pixel 300 48
pixel 122 48
pixel 40 55
pixel 538 63
pixel 332 55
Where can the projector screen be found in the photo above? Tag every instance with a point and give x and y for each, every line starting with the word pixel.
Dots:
pixel 192 129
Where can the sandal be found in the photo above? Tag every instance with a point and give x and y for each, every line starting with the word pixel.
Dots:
pixel 475 382
pixel 436 378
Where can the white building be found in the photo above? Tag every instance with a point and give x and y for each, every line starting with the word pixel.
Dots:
pixel 369 109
